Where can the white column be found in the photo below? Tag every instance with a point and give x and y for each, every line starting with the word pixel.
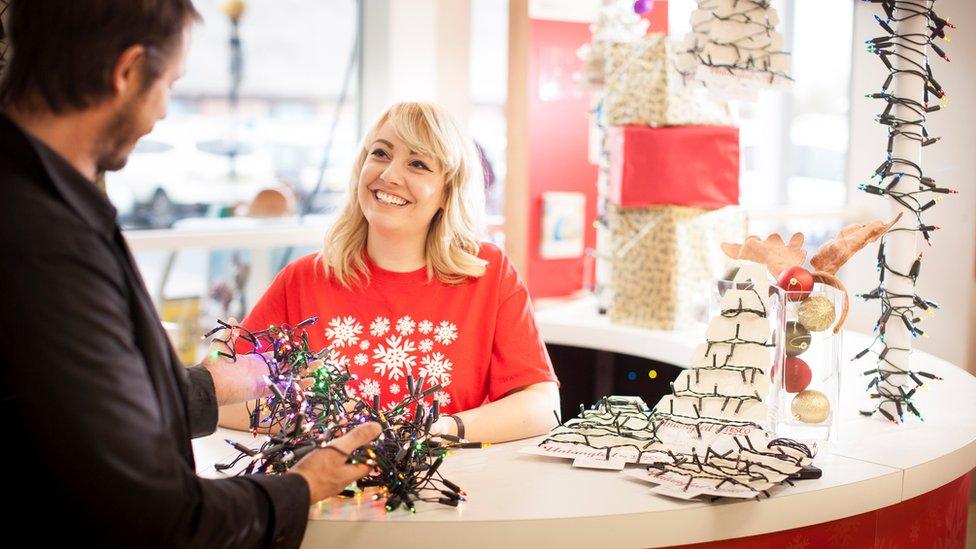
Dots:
pixel 901 249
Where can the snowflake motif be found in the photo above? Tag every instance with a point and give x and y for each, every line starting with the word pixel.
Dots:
pixel 394 389
pixel 361 359
pixel 445 333
pixel 394 358
pixel 437 368
pixel 426 345
pixel 336 359
pixel 425 327
pixel 406 325
pixel 344 331
pixel 379 327
pixel 351 391
pixel 443 398
pixel 364 344
pixel 369 388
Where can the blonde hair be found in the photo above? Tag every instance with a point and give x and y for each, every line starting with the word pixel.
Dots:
pixel 451 251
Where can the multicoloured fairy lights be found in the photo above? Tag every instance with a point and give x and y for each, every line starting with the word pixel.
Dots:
pixel 309 406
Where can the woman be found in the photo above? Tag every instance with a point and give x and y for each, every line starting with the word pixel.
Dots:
pixel 404 287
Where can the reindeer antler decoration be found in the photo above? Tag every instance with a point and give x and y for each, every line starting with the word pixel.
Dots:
pixel 778 256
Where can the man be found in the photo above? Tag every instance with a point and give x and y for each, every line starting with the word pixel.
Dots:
pixel 98 410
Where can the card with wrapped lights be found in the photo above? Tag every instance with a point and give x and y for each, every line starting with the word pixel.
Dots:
pixel 709 436
pixel 734 48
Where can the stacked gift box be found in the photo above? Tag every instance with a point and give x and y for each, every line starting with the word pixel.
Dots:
pixel 670 169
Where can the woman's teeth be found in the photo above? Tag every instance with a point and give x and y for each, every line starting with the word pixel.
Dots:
pixel 390 199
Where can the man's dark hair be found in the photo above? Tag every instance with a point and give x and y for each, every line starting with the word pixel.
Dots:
pixel 61 54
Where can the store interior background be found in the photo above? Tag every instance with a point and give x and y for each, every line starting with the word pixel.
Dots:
pixel 510 79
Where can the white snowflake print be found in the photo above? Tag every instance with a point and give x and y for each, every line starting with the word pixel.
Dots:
pixel 394 389
pixel 394 359
pixel 437 368
pixel 336 359
pixel 445 333
pixel 344 331
pixel 443 398
pixel 361 359
pixel 405 325
pixel 425 345
pixel 369 388
pixel 364 344
pixel 379 327
pixel 425 327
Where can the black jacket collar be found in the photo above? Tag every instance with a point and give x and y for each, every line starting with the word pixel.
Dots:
pixel 80 193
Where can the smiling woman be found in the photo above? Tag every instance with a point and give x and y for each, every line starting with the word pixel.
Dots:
pixel 407 292
pixel 428 171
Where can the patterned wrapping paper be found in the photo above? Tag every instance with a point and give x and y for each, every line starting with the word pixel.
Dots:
pixel 644 87
pixel 662 260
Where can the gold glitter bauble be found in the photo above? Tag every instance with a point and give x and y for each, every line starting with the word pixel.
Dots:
pixel 816 313
pixel 810 406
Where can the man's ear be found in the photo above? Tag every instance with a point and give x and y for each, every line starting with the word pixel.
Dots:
pixel 127 72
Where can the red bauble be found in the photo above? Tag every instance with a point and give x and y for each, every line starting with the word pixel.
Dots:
pixel 798 375
pixel 798 282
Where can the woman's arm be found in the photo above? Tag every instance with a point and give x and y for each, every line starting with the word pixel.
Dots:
pixel 522 413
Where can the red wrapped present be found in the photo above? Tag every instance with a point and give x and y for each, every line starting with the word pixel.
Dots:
pixel 674 166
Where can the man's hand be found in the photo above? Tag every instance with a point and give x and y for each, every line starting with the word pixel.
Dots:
pixel 326 470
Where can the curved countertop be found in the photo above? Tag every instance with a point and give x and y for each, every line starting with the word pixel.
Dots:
pixel 519 499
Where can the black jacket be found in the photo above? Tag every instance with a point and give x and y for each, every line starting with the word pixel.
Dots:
pixel 97 410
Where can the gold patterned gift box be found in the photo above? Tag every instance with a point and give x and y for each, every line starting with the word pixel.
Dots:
pixel 644 87
pixel 662 260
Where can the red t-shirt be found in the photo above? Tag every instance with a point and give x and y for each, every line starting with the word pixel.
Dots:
pixel 478 339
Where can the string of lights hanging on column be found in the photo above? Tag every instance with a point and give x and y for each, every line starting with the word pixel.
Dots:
pixel 893 382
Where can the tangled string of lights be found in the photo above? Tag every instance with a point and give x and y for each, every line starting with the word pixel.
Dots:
pixel 302 416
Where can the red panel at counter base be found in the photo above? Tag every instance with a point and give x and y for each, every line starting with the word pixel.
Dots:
pixel 932 520
pixel 674 166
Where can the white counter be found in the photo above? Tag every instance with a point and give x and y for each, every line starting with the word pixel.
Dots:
pixel 520 500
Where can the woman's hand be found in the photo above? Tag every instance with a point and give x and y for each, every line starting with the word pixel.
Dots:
pixel 241 378
pixel 236 379
pixel 524 412
pixel 443 426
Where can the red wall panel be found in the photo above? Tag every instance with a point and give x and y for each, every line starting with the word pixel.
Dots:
pixel 558 140
pixel 557 146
